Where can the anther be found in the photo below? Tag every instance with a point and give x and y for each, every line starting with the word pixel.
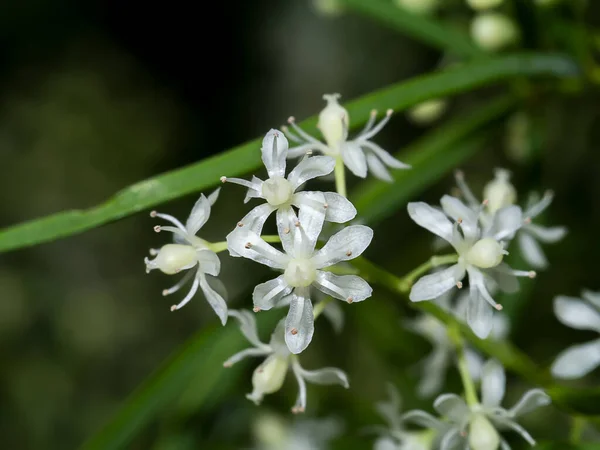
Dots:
pixel 485 202
pixel 248 245
pixel 227 365
pixel 152 213
pixel 223 179
pixel 527 220
pixel 286 231
pixel 459 174
pixel 297 223
pixel 459 221
pixel 294 331
pixel 173 308
pixel 348 253
pixel 240 224
pixel 284 128
pixel 373 112
pixel 165 292
pixel 309 152
pixel 459 284
pixel 291 119
pixel 498 307
pixel 297 410
pixel 349 299
pixel 389 112
pixel 157 228
pixel 256 309
pixel 532 274
pixel 325 205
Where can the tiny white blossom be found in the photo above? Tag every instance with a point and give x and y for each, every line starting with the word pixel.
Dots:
pixel 480 253
pixel 302 266
pixel 493 31
pixel 476 427
pixel 270 374
pixel 189 252
pixel 581 314
pixel 359 154
pixel 281 193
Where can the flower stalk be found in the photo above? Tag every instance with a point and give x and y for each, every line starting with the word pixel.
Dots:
pixel 463 367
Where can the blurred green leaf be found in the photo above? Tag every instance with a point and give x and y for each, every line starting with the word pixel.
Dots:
pixel 245 158
pixel 565 446
pixel 423 28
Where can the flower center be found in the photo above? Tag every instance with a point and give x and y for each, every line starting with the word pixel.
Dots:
pixel 300 273
pixel 482 434
pixel 485 253
pixel 499 192
pixel 333 121
pixel 277 191
pixel 173 258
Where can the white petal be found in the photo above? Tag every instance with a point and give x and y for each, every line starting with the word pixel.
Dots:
pixel 339 209
pixel 343 246
pixel 214 299
pixel 452 440
pixel 475 364
pixel 479 311
pixel 335 315
pixel 385 156
pixel 209 262
pixel 577 314
pixel 577 361
pixel 266 295
pixel 456 209
pixel 549 235
pixel 501 327
pixel 511 424
pixel 531 250
pixel 431 219
pixel 247 321
pixel 433 285
pixel 249 245
pixel 451 406
pixel 592 297
pixel 532 399
pixel 506 281
pixel 506 222
pixel 199 215
pixel 433 372
pixel 422 418
pixel 311 223
pixel 377 168
pixel 256 218
pixel 299 323
pixel 277 340
pixel 255 191
pixel 350 288
pixel 493 383
pixel 309 168
pixel 274 152
pixel 537 208
pixel 286 219
pixel 327 375
pixel 247 353
pixel 354 159
pixel 212 198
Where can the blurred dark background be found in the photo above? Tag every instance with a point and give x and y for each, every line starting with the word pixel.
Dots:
pixel 97 95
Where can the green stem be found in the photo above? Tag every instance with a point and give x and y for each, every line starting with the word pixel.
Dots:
pixel 463 366
pixel 221 246
pixel 408 280
pixel 577 427
pixel 321 307
pixel 340 177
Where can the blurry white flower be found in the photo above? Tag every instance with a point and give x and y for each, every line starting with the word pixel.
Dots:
pixel 418 6
pixel 269 376
pixel 280 192
pixel 359 155
pixel 331 8
pixel 578 360
pixel 478 425
pixel 188 252
pixel 302 268
pixel 480 5
pixel 480 254
pixel 493 31
pixel 427 112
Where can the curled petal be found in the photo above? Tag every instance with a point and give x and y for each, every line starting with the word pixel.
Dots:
pixel 350 288
pixel 274 152
pixel 378 169
pixel 479 312
pixel 431 219
pixel 384 155
pixel 354 159
pixel 248 327
pixel 214 299
pixel 256 218
pixel 199 215
pixel 452 406
pixel 456 209
pixel 577 314
pixel 250 245
pixel 548 235
pixel 493 381
pixel 327 375
pixel 309 168
pixel 299 323
pixel 532 399
pixel 532 251
pixel 452 439
pixel 433 285
pixel 343 246
pixel 247 353
pixel 266 295
pixel 423 419
pixel 209 262
pixel 577 361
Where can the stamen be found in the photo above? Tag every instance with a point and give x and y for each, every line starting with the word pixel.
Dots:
pixel 227 365
pixel 303 134
pixel 248 245
pixel 154 251
pixel 348 253
pixel 377 128
pixel 239 181
pixel 256 309
pixel 286 231
pixel 349 299
pixel 459 284
pixel 527 220
pixel 532 274
pixel 157 228
pixel 240 224
pixel 325 205
pixel 188 297
pixel 294 331
pixel 223 179
pixel 178 285
pixel 291 136
pixel 168 218
pixel 459 176
pixel 498 307
pixel 369 123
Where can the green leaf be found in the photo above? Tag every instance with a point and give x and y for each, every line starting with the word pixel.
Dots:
pixel 245 158
pixel 419 27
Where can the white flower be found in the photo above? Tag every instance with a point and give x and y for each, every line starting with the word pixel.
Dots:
pixel 269 376
pixel 480 254
pixel 578 360
pixel 435 365
pixel 427 112
pixel 188 252
pixel 359 154
pixel 492 31
pixel 302 266
pixel 500 193
pixel 479 424
pixel 280 192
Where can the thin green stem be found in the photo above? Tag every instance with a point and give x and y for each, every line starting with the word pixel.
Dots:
pixel 577 428
pixel 321 307
pixel 463 366
pixel 408 280
pixel 221 246
pixel 340 177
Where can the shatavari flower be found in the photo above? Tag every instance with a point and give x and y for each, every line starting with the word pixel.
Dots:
pixel 476 427
pixel 578 360
pixel 280 192
pixel 359 155
pixel 270 375
pixel 189 252
pixel 302 268
pixel 434 366
pixel 500 193
pixel 480 254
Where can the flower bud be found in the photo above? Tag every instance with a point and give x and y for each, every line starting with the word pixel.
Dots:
pixel 493 31
pixel 300 272
pixel 480 5
pixel 418 6
pixel 482 434
pixel 485 253
pixel 333 121
pixel 173 258
pixel 427 112
pixel 277 191
pixel 499 192
pixel 268 377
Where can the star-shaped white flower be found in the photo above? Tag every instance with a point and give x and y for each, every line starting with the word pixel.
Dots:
pixel 302 268
pixel 360 154
pixel 480 254
pixel 270 375
pixel 478 425
pixel 189 252
pixel 281 193
pixel 581 314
